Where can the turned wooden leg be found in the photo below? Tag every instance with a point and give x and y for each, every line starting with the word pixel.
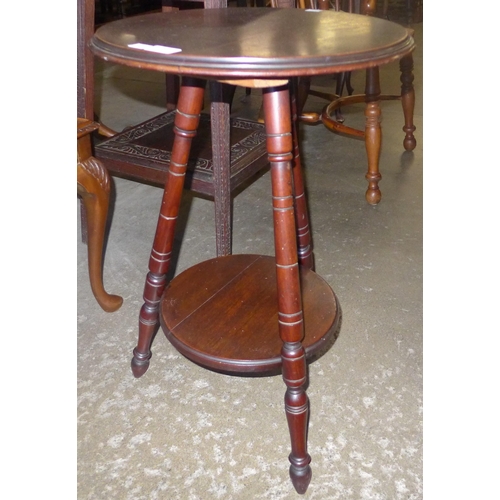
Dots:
pixel 339 90
pixel 305 250
pixel 186 123
pixel 302 92
pixel 279 146
pixel 408 101
pixel 348 84
pixel 373 135
pixel 93 185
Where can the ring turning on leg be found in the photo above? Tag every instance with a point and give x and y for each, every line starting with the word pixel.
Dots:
pixel 408 101
pixel 185 126
pixel 291 326
pixel 373 135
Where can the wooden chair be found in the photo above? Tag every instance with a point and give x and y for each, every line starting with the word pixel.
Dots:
pixel 331 115
pixel 142 152
pixel 333 119
pixel 93 185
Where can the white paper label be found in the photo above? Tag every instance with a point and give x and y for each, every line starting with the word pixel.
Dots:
pixel 161 49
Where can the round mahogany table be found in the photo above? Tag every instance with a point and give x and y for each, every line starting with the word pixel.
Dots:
pixel 252 42
pixel 248 313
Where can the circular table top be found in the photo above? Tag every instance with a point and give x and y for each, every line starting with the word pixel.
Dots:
pixel 252 42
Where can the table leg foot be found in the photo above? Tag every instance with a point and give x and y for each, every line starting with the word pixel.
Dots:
pixel 301 477
pixel 297 413
pixel 148 316
pixel 140 363
pixel 373 194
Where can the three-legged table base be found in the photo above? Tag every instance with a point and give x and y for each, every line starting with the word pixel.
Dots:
pixel 245 314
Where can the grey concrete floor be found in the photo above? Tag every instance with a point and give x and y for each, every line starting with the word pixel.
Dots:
pixel 182 432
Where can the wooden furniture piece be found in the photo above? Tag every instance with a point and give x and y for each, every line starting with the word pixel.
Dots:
pixel 142 152
pixel 413 10
pixel 227 313
pixel 172 81
pixel 93 186
pixel 333 119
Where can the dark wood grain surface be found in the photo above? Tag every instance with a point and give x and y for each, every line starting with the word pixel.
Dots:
pixel 223 314
pixel 253 42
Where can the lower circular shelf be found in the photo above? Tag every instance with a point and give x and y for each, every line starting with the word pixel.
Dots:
pixel 223 314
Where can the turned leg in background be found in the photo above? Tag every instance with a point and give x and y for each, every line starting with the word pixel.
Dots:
pixel 276 102
pixel 93 185
pixel 171 90
pixel 305 250
pixel 185 126
pixel 408 101
pixel 373 135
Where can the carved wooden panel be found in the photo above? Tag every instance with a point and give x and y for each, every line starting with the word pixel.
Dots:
pixel 150 144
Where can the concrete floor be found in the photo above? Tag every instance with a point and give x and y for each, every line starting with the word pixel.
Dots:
pixel 182 432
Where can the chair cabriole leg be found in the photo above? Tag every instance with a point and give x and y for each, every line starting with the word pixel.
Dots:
pixel 93 185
